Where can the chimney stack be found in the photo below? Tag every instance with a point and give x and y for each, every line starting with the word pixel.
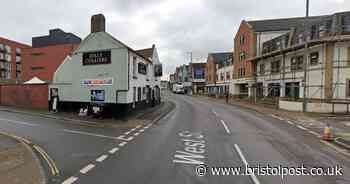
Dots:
pixel 98 23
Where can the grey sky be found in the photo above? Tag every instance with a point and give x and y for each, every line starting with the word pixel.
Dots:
pixel 175 26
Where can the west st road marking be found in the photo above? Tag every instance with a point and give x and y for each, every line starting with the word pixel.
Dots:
pixel 194 148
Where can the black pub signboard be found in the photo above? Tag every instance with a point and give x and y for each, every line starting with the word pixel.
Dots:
pixel 96 58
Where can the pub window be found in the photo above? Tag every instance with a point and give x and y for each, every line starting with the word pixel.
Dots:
pixel 262 69
pixel 275 67
pixel 314 58
pixel 139 94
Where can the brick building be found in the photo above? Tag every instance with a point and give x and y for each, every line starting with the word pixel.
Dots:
pixel 47 54
pixel 11 60
pixel 215 60
pixel 43 62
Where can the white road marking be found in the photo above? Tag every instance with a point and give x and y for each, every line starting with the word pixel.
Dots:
pixel 138 126
pixel 122 144
pixel 101 158
pixel 90 134
pixel 18 122
pixel 136 134
pixel 70 180
pixel 125 139
pixel 141 130
pixel 127 133
pixel 277 117
pixel 301 127
pixel 314 133
pixel 225 126
pixel 290 122
pixel 87 168
pixel 216 114
pixel 112 151
pixel 244 160
pixel 132 129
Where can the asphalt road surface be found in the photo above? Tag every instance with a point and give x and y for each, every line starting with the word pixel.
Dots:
pixel 196 132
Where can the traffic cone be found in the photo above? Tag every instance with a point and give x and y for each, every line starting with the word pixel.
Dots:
pixel 327 133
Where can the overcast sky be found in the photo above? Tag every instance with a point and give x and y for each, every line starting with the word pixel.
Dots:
pixel 175 26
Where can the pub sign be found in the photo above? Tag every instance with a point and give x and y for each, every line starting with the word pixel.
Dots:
pixel 96 58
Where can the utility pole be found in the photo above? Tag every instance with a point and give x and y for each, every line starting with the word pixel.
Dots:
pixel 305 55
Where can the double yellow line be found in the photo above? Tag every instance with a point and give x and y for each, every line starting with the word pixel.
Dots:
pixel 53 168
pixel 52 165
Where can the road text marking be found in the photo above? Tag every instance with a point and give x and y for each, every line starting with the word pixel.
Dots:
pixel 87 168
pixel 193 151
pixel 225 126
pixel 244 160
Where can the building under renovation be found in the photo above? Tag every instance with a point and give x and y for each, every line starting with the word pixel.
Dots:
pixel 305 63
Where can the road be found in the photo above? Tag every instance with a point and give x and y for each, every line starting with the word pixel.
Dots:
pixel 197 131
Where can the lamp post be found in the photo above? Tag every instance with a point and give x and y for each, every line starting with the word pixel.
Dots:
pixel 304 82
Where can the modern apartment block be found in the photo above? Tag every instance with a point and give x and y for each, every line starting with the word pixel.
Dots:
pixel 286 57
pixel 215 62
pixel 11 60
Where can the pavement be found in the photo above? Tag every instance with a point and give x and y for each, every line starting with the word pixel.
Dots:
pixel 197 132
pixel 18 163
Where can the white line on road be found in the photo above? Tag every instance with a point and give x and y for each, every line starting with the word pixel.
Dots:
pixel 141 130
pixel 101 158
pixel 112 151
pixel 301 127
pixel 225 126
pixel 122 144
pixel 127 133
pixel 87 168
pixel 19 122
pixel 70 180
pixel 216 114
pixel 289 122
pixel 90 134
pixel 136 134
pixel 125 139
pixel 132 129
pixel 314 133
pixel 277 117
pixel 252 175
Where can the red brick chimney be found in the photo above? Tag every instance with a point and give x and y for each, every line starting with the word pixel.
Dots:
pixel 98 23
